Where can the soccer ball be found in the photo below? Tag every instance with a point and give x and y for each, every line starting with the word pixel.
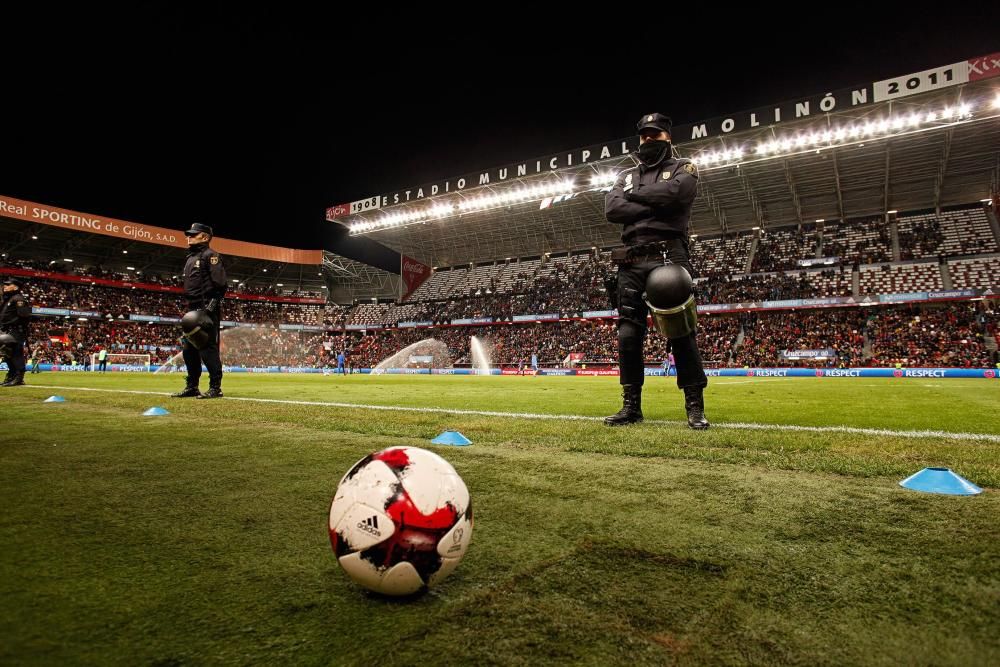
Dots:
pixel 401 520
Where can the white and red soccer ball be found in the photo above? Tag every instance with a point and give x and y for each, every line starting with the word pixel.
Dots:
pixel 401 520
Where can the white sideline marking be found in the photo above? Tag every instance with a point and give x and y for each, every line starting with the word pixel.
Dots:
pixel 946 435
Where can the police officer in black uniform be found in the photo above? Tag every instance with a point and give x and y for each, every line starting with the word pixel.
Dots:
pixel 652 202
pixel 15 318
pixel 204 288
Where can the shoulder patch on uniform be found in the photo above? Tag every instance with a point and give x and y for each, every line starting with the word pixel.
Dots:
pixel 214 259
pixel 690 168
pixel 666 175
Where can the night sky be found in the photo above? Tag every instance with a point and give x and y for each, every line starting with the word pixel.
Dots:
pixel 255 122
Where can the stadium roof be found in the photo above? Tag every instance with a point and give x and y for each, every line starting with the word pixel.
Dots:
pixel 906 144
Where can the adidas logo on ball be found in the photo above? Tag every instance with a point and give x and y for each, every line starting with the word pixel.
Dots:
pixel 370 525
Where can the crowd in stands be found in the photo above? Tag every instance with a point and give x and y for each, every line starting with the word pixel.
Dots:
pixel 957 334
pixel 858 242
pixel 920 239
pixel 767 287
pixel 914 336
pixel 781 249
pixel 766 336
pixel 945 335
pixel 71 341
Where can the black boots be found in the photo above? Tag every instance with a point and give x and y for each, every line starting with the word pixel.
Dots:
pixel 694 403
pixel 192 392
pixel 631 412
pixel 213 392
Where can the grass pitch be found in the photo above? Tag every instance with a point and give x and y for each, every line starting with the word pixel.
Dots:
pixel 200 537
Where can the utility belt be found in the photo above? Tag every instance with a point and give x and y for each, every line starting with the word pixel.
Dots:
pixel 648 252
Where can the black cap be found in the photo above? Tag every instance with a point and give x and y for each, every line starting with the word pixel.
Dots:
pixel 654 121
pixel 198 228
pixel 13 280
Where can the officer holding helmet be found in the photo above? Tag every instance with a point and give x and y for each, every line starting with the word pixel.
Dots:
pixel 204 288
pixel 652 202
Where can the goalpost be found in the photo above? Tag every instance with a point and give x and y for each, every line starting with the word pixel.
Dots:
pixel 133 360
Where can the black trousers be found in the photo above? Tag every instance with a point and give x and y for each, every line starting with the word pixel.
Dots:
pixel 632 313
pixel 209 354
pixel 15 362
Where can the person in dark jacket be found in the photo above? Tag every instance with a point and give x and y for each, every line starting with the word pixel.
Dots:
pixel 204 288
pixel 652 203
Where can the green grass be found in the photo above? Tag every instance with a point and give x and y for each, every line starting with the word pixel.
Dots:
pixel 200 537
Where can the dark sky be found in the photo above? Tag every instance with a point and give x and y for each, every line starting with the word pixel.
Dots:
pixel 254 122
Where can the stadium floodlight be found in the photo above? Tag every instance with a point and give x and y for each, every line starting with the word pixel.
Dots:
pixel 892 211
pixel 442 210
pixel 805 140
pixel 132 268
pixel 34 238
pixel 124 252
pixel 604 179
pixel 281 284
pixel 67 259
